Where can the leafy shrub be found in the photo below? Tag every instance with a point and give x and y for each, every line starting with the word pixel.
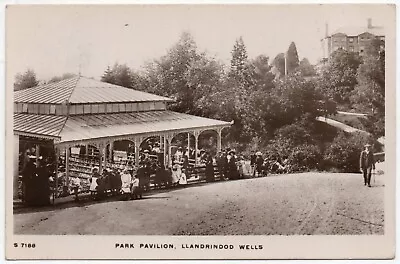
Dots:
pixel 305 158
pixel 344 152
pixel 295 133
pixel 302 157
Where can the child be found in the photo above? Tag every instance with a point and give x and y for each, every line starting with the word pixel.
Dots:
pixel 183 179
pixel 93 182
pixel 136 190
pixel 126 180
pixel 76 183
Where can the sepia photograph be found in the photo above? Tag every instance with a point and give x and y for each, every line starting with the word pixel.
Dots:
pixel 219 131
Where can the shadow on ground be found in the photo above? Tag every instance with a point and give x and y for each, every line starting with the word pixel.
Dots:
pixel 85 201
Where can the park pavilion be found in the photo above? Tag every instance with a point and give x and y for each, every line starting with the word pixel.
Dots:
pixel 85 112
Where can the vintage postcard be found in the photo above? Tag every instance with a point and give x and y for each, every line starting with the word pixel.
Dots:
pixel 200 131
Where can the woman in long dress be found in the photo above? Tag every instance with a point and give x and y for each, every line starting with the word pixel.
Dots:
pixel 126 180
pixel 176 173
pixel 93 182
pixel 209 168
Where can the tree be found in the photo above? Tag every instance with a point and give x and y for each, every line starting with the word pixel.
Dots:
pixel 344 152
pixel 204 77
pixel 374 47
pixel 190 77
pixel 120 74
pixel 369 94
pixel 339 76
pixel 279 64
pixel 240 70
pixel 25 80
pixel 237 87
pixel 289 102
pixel 306 69
pixel 262 75
pixel 168 74
pixel 298 96
pixel 292 58
pixel 108 76
pixel 62 77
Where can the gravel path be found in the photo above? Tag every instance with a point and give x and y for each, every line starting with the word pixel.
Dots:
pixel 308 203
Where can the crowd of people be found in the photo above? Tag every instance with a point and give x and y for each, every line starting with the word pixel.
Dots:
pixel 131 181
pixel 36 179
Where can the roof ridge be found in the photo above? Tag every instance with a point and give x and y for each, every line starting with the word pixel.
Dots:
pixel 73 88
pixel 47 84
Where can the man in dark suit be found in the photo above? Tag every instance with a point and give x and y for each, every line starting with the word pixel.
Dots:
pixel 253 158
pixel 367 164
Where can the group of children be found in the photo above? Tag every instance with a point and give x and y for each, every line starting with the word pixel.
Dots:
pixel 120 181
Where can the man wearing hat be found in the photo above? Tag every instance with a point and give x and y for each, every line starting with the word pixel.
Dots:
pixel 253 158
pixel 367 164
pixel 258 164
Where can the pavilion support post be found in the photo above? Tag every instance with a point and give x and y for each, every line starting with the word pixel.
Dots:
pixel 111 157
pixel 67 154
pixel 100 159
pixel 87 150
pixel 188 145
pixel 165 150
pixel 219 140
pixel 37 148
pixel 16 166
pixel 196 144
pixel 105 155
pixel 136 152
pixel 55 187
pixel 170 151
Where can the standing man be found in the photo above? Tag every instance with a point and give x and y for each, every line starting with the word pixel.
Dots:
pixel 259 164
pixel 367 164
pixel 253 158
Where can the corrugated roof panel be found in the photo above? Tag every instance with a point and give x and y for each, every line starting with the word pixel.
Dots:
pixel 52 93
pixel 47 125
pixel 93 91
pixel 112 125
pixel 83 90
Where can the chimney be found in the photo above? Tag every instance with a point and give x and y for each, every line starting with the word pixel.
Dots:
pixel 369 23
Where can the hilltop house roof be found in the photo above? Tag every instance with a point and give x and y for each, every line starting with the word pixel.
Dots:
pixel 356 31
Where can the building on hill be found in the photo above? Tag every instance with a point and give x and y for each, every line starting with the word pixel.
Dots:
pixel 353 39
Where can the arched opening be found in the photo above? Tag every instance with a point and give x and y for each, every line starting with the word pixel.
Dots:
pixel 182 147
pixel 208 143
pixel 121 152
pixel 153 148
pixel 34 155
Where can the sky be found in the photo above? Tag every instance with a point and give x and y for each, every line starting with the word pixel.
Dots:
pixel 53 40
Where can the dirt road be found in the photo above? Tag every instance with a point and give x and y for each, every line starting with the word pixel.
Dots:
pixel 309 203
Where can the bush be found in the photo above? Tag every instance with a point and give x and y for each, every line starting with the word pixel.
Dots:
pixel 305 158
pixel 344 152
pixel 295 133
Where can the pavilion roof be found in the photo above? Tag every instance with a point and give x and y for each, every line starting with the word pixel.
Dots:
pixel 87 127
pixel 83 90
